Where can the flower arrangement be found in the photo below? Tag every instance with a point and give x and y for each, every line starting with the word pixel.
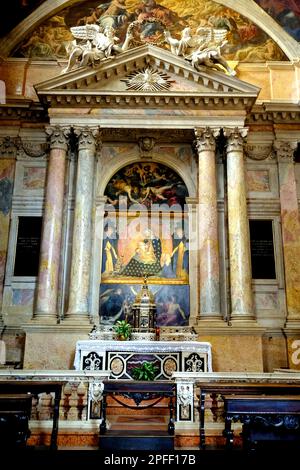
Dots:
pixel 123 330
pixel 146 371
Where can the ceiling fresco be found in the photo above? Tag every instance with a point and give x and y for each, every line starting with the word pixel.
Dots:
pixel 246 41
pixel 285 12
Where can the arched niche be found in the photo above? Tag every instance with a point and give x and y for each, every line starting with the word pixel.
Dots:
pixel 180 159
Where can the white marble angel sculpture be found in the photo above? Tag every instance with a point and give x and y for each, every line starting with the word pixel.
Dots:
pixel 207 44
pixel 93 45
pixel 179 46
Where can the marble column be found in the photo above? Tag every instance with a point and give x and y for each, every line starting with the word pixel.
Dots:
pixel 238 228
pixel 79 304
pixel 290 225
pixel 47 287
pixel 208 225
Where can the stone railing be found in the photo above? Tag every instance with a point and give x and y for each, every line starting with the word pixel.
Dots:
pixel 78 390
pixel 199 394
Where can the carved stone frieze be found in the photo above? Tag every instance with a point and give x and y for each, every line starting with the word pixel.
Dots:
pixel 185 393
pixel 58 136
pixel 96 391
pixel 235 139
pixel 206 139
pixel 259 151
pixel 285 151
pixel 148 79
pixel 8 147
pixel 161 135
pixel 146 145
pixel 35 150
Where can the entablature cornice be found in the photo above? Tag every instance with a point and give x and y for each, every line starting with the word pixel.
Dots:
pixel 275 113
pixel 190 100
pixel 19 111
pixel 269 118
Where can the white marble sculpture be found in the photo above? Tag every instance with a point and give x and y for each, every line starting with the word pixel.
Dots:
pixel 91 45
pixel 202 49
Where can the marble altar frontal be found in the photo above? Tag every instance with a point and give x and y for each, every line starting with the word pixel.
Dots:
pixel 121 356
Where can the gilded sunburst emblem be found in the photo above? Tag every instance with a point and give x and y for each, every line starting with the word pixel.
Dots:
pixel 148 79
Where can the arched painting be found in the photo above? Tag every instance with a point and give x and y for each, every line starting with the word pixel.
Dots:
pixel 145 234
pixel 147 184
pixel 246 41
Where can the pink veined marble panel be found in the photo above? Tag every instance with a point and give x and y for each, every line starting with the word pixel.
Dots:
pixel 22 296
pixel 34 178
pixel 266 301
pixel 258 180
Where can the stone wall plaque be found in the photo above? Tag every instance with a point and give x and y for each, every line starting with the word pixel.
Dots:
pixel 28 246
pixel 262 249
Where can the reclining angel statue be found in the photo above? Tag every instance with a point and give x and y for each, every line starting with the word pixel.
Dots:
pixel 202 48
pixel 93 45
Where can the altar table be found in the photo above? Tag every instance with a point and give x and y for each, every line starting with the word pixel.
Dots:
pixel 120 357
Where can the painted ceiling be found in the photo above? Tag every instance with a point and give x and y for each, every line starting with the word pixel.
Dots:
pixel 247 42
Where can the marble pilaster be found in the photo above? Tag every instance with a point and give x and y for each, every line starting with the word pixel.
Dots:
pixel 47 287
pixel 208 225
pixel 8 150
pixel 79 304
pixel 238 229
pixel 290 225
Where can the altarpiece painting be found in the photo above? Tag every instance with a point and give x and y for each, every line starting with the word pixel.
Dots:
pixel 145 234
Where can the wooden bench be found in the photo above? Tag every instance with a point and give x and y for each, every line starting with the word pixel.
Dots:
pixel 15 410
pixel 138 392
pixel 36 387
pixel 264 418
pixel 240 388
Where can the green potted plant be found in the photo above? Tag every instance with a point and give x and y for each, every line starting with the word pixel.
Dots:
pixel 146 371
pixel 123 330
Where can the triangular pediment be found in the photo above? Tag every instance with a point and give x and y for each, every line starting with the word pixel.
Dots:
pixel 118 81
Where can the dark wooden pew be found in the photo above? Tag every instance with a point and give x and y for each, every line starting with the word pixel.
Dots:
pixel 240 388
pixel 15 410
pixel 34 388
pixel 264 418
